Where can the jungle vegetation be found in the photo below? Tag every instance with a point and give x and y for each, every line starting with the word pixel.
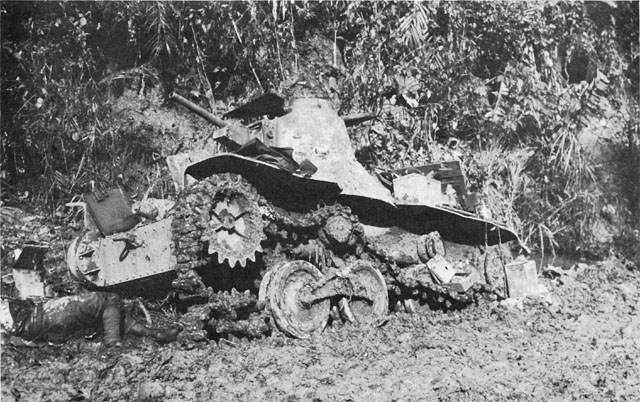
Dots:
pixel 513 90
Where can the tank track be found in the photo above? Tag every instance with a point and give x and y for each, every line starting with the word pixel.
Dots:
pixel 187 227
pixel 423 291
pixel 287 235
pixel 235 313
pixel 239 314
pixel 310 220
pixel 334 227
pixel 434 294
pixel 287 229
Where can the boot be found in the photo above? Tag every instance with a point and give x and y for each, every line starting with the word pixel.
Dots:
pixel 160 335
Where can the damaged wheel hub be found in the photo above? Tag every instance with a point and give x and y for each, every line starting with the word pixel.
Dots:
pixel 235 229
pixel 228 221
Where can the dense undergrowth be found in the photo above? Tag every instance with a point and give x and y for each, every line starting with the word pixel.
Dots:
pixel 517 91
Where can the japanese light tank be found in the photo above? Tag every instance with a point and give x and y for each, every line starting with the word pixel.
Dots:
pixel 289 216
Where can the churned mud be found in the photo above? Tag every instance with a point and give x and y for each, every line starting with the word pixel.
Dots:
pixel 580 341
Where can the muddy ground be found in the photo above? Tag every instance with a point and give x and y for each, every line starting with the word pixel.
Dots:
pixel 578 342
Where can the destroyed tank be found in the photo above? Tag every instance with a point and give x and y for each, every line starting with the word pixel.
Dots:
pixel 289 216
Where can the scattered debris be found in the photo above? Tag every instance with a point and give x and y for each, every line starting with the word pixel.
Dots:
pixel 28 272
pixel 551 272
pixel 522 278
pixel 441 269
pixel 461 282
pixel 153 209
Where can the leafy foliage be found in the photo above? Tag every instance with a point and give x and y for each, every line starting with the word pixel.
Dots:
pixel 521 83
pixel 508 88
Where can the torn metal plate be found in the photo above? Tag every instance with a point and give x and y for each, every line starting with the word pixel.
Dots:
pixel 112 260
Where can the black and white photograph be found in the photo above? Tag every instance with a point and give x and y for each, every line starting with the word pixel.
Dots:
pixel 323 201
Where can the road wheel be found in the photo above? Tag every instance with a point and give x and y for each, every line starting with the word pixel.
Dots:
pixel 284 289
pixel 366 279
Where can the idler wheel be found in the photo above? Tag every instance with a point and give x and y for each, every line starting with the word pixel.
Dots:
pixel 366 280
pixel 285 288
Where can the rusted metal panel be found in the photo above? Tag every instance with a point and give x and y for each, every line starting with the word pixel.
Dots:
pixel 111 211
pixel 462 282
pixel 441 269
pixel 447 173
pixel 418 188
pixel 269 180
pixel 315 132
pixel 113 262
pixel 453 224
pixel 522 278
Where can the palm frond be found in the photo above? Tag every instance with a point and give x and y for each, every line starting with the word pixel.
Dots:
pixel 162 36
pixel 414 27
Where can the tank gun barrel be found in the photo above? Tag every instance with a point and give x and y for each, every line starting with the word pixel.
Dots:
pixel 208 116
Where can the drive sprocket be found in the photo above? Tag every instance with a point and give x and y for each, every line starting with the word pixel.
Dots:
pixel 236 227
pixel 218 216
